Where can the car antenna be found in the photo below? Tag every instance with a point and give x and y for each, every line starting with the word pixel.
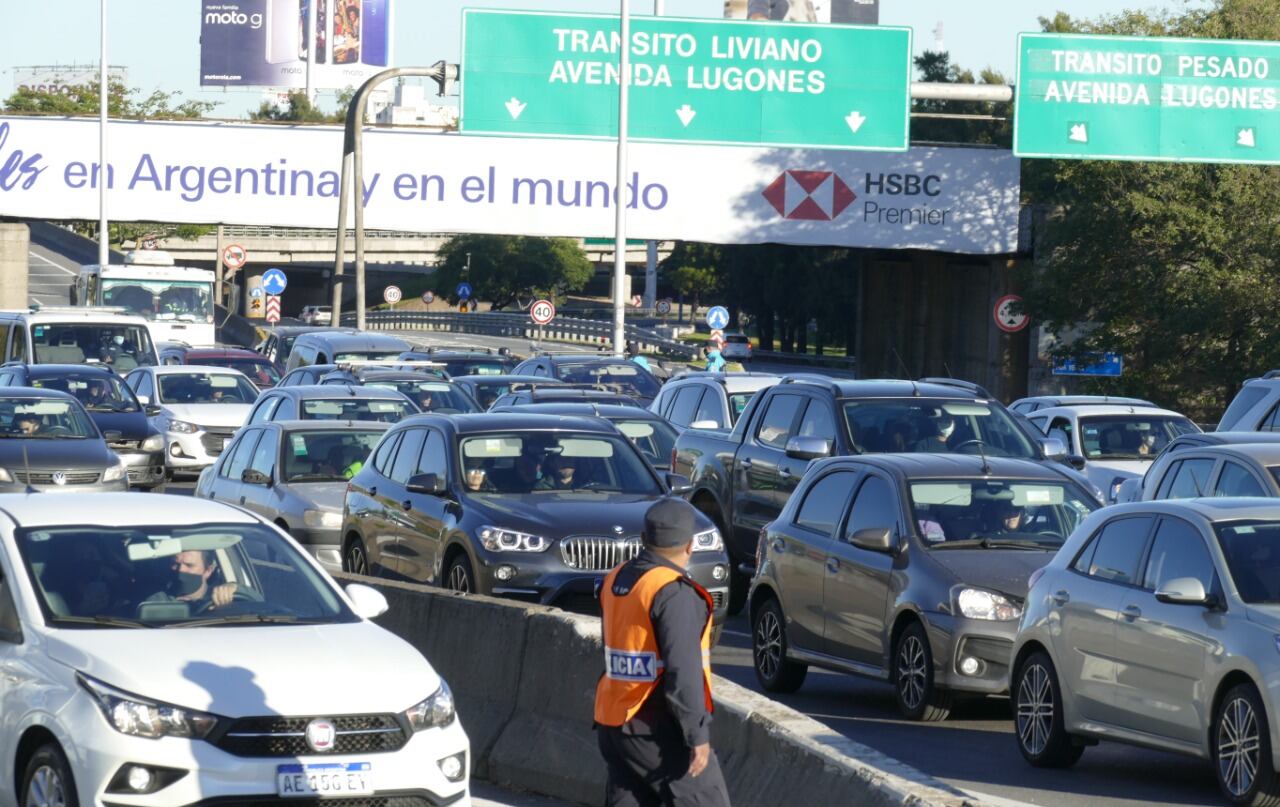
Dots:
pixel 982 451
pixel 26 464
pixel 905 372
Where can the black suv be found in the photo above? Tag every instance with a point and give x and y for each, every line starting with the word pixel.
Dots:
pixel 623 375
pixel 535 507
pixel 462 361
pixel 536 394
pixel 429 392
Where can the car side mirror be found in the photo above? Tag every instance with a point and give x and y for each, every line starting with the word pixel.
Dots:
pixel 151 409
pixel 679 484
pixel 1185 591
pixel 366 601
pixel 145 400
pixel 113 435
pixel 1053 448
pixel 808 448
pixel 430 484
pixel 874 539
pixel 253 477
pixel 1075 461
pixel 704 424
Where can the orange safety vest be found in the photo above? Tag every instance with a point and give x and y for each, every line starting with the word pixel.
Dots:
pixel 632 664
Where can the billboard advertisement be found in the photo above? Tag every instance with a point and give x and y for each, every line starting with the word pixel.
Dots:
pixel 268 43
pixel 63 79
pixel 948 199
pixel 850 12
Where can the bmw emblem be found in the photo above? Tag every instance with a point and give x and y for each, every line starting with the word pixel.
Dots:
pixel 321 735
pixel 617 529
pixel 59 478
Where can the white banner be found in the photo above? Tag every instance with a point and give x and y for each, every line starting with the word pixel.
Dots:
pixel 948 199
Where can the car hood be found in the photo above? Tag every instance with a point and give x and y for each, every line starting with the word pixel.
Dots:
pixel 44 453
pixel 261 670
pixel 231 415
pixel 133 425
pixel 321 495
pixel 1004 570
pixel 555 515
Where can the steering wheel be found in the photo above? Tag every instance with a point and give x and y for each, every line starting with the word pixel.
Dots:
pixel 967 443
pixel 57 430
pixel 240 595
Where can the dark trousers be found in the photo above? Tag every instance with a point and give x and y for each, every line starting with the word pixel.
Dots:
pixel 649 767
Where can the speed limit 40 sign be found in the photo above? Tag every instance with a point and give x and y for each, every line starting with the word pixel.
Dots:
pixel 542 312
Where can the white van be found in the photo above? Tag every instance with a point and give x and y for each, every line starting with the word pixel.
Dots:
pixel 66 335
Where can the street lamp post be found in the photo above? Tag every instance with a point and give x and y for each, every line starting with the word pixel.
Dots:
pixel 104 170
pixel 620 188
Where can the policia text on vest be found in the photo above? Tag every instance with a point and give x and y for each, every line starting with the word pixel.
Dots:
pixel 653 704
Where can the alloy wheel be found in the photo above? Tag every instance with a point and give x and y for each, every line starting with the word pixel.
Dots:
pixel 356 563
pixel 45 789
pixel 1035 709
pixel 459 580
pixel 768 644
pixel 911 671
pixel 1239 746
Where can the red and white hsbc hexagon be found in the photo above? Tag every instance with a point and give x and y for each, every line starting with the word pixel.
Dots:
pixel 809 195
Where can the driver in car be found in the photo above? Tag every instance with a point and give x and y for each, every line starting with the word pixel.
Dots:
pixel 192 570
pixel 939 430
pixel 559 473
pixel 1003 517
pixel 26 423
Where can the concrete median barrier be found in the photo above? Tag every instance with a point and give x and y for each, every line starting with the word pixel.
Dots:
pixel 524 678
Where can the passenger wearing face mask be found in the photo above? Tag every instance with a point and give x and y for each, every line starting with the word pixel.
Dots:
pixel 112 349
pixel 190 583
pixel 934 434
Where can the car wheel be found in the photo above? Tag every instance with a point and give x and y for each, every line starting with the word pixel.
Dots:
pixel 919 698
pixel 1242 750
pixel 774 671
pixel 459 576
pixel 47 781
pixel 354 558
pixel 1038 718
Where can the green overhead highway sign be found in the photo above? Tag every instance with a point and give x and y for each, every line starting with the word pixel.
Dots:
pixel 692 80
pixel 1147 98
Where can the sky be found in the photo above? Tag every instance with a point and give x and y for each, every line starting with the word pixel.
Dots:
pixel 157 41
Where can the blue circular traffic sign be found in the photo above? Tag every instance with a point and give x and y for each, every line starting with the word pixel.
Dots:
pixel 274 281
pixel 718 318
pixel 463 291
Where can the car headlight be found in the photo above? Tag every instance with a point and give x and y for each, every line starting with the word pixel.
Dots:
pixel 977 603
pixel 180 426
pixel 114 473
pixel 153 443
pixel 496 539
pixel 709 541
pixel 322 519
pixel 434 712
pixel 130 714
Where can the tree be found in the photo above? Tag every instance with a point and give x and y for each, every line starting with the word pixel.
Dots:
pixel 122 102
pixel 298 108
pixel 505 269
pixel 693 281
pixel 1175 266
pixel 936 67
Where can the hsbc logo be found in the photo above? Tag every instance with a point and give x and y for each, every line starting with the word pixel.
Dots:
pixel 809 195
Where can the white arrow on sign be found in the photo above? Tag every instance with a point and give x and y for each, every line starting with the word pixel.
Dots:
pixel 685 113
pixel 1245 138
pixel 1079 133
pixel 515 107
pixel 855 119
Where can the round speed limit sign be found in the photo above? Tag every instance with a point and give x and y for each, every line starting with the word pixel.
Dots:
pixel 1006 319
pixel 542 312
pixel 392 294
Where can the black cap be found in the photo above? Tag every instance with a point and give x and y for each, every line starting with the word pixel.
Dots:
pixel 669 523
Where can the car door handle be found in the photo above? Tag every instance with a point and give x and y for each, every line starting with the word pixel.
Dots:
pixel 1061 597
pixel 746 464
pixel 783 473
pixel 779 546
pixel 407 504
pixel 373 491
pixel 833 565
pixel 1130 613
pixel 242 499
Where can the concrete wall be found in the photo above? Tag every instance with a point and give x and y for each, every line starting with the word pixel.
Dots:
pixel 15 245
pixel 524 679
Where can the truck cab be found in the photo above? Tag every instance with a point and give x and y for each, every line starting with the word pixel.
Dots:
pixel 176 301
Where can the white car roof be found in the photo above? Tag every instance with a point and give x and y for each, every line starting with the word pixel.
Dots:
pixel 116 509
pixel 1089 410
pixel 189 369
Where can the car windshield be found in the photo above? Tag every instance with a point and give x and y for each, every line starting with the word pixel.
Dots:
pixel 260 371
pixel 167 576
pixel 327 456
pixel 1252 550
pixel 205 388
pixel 44 419
pixel 953 513
pixel 163 300
pixel 655 439
pixel 431 396
pixel 737 403
pixel 380 409
pixel 124 347
pixel 542 463
pixel 1129 437
pixel 628 377
pixel 894 426
pixel 459 367
pixel 99 392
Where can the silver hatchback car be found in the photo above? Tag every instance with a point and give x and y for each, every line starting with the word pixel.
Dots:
pixel 1158 624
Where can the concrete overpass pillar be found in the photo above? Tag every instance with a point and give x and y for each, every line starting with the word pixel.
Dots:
pixel 15 247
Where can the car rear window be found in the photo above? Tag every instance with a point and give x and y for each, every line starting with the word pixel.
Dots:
pixel 1248 397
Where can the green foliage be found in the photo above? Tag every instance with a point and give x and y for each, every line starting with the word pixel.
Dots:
pixel 694 282
pixel 1173 265
pixel 506 268
pixel 122 102
pixel 301 109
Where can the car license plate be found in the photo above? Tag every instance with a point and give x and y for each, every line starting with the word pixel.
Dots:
pixel 328 779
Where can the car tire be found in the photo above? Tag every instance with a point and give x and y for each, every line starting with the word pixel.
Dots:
pixel 460 577
pixel 1241 740
pixel 1039 723
pixel 354 558
pixel 919 697
pixel 774 671
pixel 47 779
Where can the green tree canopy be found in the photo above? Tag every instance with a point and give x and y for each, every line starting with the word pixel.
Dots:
pixel 298 108
pixel 507 268
pixel 122 102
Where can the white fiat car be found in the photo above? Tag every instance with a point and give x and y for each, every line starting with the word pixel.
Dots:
pixel 200 409
pixel 178 651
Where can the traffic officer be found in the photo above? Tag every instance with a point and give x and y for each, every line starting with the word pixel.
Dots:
pixel 653 703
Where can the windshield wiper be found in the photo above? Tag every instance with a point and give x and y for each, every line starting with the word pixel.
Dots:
pixel 106 621
pixel 987 542
pixel 249 619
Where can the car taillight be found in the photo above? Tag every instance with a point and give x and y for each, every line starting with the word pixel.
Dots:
pixel 1035 577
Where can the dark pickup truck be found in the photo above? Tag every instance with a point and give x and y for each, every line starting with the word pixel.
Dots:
pixel 742 478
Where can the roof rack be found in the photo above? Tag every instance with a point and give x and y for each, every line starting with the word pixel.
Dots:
pixel 812 378
pixel 390 364
pixel 968 386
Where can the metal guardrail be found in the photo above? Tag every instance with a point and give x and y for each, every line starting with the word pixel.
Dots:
pixel 519 326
